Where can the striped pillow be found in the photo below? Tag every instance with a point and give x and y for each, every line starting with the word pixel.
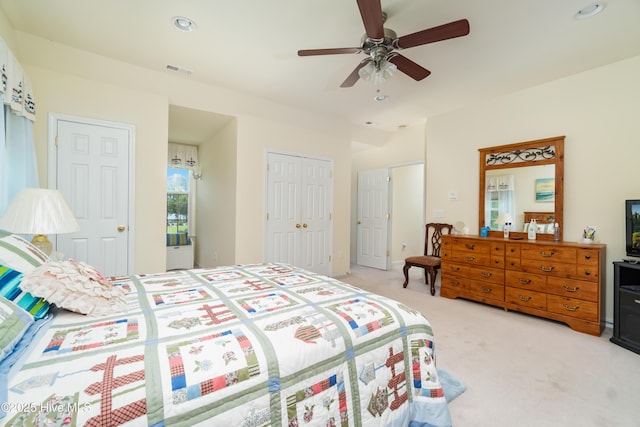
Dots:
pixel 19 254
pixel 10 289
pixel 177 239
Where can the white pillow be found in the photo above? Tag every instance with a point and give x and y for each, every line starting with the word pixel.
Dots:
pixel 75 286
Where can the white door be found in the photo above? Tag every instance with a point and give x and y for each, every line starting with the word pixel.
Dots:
pixel 92 170
pixel 373 218
pixel 298 228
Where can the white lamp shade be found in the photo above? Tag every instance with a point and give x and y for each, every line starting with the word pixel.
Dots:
pixel 39 211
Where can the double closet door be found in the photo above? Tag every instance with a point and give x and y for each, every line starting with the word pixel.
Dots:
pixel 299 210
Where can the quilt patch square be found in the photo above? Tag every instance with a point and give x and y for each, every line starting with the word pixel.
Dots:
pixel 266 303
pixel 293 279
pixel 222 275
pixel 423 370
pixel 362 316
pixel 203 365
pixel 243 287
pixel 321 403
pixel 95 335
pixel 180 297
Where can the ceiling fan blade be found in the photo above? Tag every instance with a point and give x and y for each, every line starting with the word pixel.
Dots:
pixel 443 32
pixel 354 76
pixel 410 68
pixel 334 51
pixel 371 12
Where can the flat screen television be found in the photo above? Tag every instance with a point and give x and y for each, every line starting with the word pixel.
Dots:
pixel 632 212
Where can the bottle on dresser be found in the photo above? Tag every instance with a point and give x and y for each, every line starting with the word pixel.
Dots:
pixel 507 229
pixel 533 229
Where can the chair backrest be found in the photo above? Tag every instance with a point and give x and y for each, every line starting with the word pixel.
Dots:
pixel 433 237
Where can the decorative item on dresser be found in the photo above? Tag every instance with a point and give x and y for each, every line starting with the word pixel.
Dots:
pixel 562 281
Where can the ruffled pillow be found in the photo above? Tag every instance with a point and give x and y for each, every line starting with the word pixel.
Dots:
pixel 75 286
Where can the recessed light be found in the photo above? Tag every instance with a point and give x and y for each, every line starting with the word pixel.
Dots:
pixel 590 10
pixel 183 24
pixel 381 98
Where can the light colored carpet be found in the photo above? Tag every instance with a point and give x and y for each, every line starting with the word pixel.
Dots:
pixel 519 370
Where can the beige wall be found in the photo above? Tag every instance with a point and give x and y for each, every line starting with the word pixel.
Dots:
pixel 216 207
pixel 72 82
pixel 596 110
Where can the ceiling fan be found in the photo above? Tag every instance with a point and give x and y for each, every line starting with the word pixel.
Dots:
pixel 381 45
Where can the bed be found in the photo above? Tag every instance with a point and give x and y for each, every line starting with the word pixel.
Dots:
pixel 244 345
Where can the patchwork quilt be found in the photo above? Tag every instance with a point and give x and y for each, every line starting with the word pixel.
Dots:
pixel 247 345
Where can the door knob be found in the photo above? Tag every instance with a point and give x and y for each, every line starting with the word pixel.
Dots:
pixel 304 225
pixel 359 222
pixel 121 228
pixel 297 225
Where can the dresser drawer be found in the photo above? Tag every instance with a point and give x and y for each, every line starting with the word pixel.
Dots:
pixel 473 246
pixel 471 258
pixel 452 281
pixel 547 267
pixel 524 280
pixel 487 290
pixel 584 272
pixel 585 310
pixel 588 257
pixel 526 298
pixel 573 288
pixel 549 253
pixel 486 274
pixel 456 269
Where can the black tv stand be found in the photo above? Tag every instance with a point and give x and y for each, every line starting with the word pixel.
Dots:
pixel 626 305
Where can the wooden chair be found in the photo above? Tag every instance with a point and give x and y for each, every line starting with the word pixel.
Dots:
pixel 430 261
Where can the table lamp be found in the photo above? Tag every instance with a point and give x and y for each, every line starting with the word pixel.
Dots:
pixel 39 211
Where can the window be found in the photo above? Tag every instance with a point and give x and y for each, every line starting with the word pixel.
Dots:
pixel 179 200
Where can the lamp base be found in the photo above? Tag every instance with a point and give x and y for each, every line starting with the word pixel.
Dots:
pixel 41 242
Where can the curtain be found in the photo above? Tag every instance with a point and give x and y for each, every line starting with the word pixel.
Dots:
pixel 18 166
pixel 183 156
pixel 500 199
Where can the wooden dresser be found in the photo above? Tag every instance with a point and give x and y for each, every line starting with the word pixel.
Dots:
pixel 562 281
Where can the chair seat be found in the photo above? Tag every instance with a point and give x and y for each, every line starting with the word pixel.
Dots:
pixel 426 260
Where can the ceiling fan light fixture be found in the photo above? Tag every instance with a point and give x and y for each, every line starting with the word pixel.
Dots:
pixel 378 72
pixel 183 24
pixel 590 10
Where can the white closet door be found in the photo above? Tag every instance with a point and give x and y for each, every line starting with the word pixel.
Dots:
pixel 299 195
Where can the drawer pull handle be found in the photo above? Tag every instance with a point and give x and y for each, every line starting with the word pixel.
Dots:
pixel 486 275
pixel 524 281
pixel 468 246
pixel 486 290
pixel 566 306
pixel 568 289
pixel 546 255
pixel 523 298
pixel 454 283
pixel 637 301
pixel 455 269
pixel 547 269
pixel 470 258
pixel 587 257
pixel 587 273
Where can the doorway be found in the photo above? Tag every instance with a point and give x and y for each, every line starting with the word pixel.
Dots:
pixel 390 215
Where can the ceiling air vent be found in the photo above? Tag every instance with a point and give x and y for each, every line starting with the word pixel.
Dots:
pixel 178 69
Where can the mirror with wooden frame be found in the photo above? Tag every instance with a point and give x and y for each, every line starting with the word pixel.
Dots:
pixel 520 182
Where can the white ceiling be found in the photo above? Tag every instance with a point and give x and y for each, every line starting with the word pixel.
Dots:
pixel 251 46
